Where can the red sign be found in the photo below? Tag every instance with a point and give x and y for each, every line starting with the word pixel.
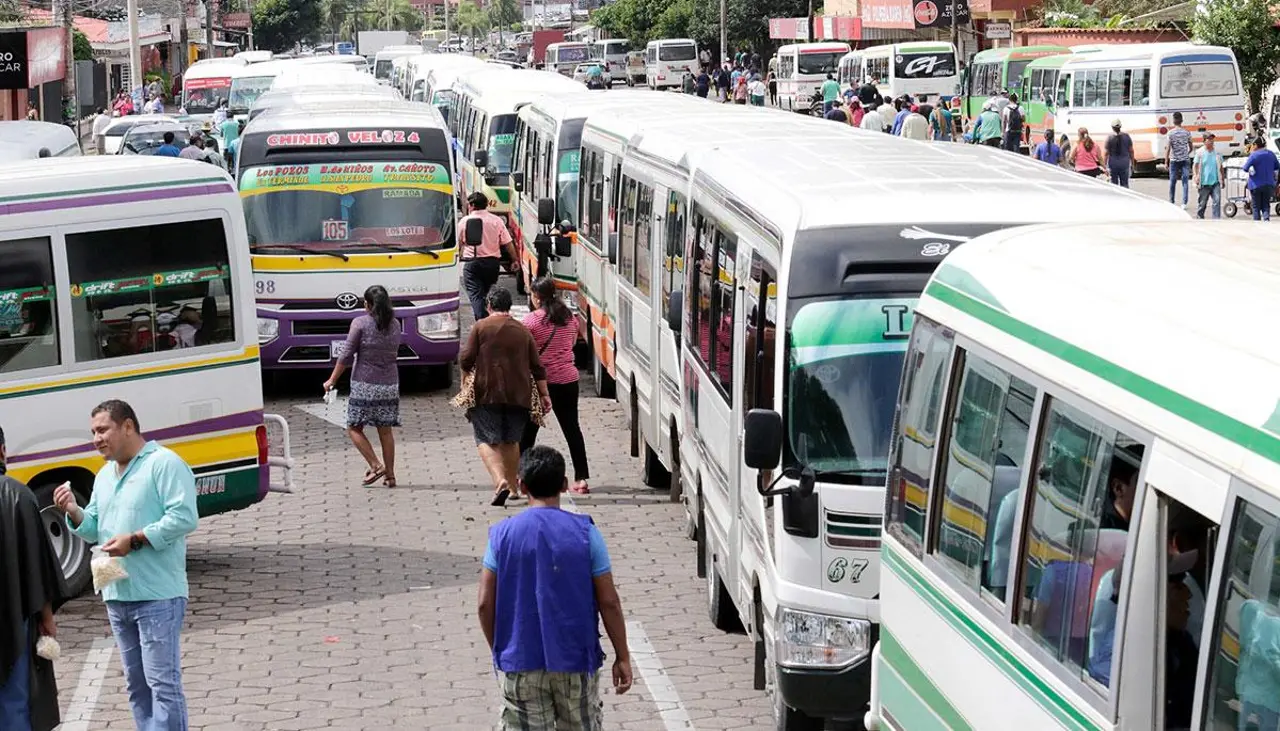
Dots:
pixel 887 14
pixel 303 139
pixel 789 28
pixel 220 83
pixel 235 20
pixel 46 56
pixel 926 13
pixel 837 28
pixel 383 137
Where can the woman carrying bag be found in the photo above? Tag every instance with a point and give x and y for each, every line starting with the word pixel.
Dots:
pixel 554 331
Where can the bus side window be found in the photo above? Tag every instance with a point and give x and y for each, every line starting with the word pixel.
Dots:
pixel 627 243
pixel 673 268
pixel 723 285
pixel 1244 659
pixel 644 225
pixel 150 288
pixel 1076 534
pixel 983 470
pixel 28 311
pixel 762 335
pixel 1064 90
pixel 922 397
pixel 1139 90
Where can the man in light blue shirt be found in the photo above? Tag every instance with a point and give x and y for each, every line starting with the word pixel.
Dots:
pixel 1207 171
pixel 142 508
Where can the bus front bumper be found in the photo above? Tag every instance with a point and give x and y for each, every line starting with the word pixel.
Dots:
pixel 299 339
pixel 840 695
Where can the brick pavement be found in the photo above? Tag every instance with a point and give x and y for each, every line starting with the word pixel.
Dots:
pixel 352 608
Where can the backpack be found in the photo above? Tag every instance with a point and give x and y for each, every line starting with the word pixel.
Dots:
pixel 1015 120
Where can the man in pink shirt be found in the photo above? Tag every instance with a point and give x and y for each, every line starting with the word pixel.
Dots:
pixel 482 263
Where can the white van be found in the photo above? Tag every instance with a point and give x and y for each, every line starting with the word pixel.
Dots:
pixel 667 60
pixel 29 140
pixel 206 85
pixel 564 57
pixel 612 53
pixel 802 68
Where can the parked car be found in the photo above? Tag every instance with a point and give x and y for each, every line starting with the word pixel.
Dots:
pixel 635 68
pixel 115 132
pixel 582 72
pixel 144 139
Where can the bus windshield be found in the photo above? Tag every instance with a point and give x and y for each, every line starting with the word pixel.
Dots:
pixel 1013 73
pixel 203 96
pixel 818 63
pixel 1184 80
pixel 246 90
pixel 382 68
pixel 573 54
pixel 567 186
pixel 348 208
pixel 924 65
pixel 681 52
pixel 502 143
pixel 844 359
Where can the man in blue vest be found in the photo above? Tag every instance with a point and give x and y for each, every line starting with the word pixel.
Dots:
pixel 546 578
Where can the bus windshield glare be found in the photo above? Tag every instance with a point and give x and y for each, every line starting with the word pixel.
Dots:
pixel 572 53
pixel 683 52
pixel 1183 80
pixel 349 208
pixel 245 91
pixel 382 68
pixel 502 143
pixel 844 359
pixel 924 65
pixel 817 63
pixel 567 186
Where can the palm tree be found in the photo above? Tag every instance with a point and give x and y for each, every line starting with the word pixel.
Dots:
pixel 396 15
pixel 472 20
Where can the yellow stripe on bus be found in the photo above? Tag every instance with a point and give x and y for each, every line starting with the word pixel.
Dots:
pixel 248 354
pixel 355 262
pixel 196 451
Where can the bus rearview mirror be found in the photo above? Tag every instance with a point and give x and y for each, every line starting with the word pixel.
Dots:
pixel 517 181
pixel 675 312
pixel 762 439
pixel 546 212
pixel 482 159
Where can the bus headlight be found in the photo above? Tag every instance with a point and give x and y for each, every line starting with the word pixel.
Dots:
pixel 438 326
pixel 268 329
pixel 806 639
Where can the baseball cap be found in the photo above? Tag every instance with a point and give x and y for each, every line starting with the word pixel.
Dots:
pixel 1115 123
pixel 1210 136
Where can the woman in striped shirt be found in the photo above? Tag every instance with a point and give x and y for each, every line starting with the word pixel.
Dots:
pixel 555 334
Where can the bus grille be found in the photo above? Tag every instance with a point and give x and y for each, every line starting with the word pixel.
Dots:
pixel 844 530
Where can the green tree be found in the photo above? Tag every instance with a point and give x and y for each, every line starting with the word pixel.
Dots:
pixel 279 24
pixel 80 43
pixel 1248 28
pixel 503 14
pixel 748 22
pixel 396 15
pixel 471 19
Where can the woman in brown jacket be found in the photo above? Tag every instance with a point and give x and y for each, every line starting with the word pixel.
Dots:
pixel 503 357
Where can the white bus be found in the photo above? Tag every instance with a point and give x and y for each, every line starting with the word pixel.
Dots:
pixel 802 67
pixel 666 61
pixel 248 83
pixel 438 89
pixel 788 401
pixel 562 58
pixel 483 121
pixel 129 278
pixel 916 68
pixel 206 85
pixel 382 60
pixel 1271 111
pixel 1143 85
pixel 1124 575
pixel 288 98
pixel 612 53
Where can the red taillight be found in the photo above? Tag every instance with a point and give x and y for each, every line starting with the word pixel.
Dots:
pixel 661 77
pixel 1163 120
pixel 1164 130
pixel 261 434
pixel 1239 126
pixel 1239 116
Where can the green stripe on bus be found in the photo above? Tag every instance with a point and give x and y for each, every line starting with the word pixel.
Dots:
pixel 1263 443
pixel 239 491
pixel 959 279
pixel 123 379
pixel 909 695
pixel 852 530
pixel 1056 704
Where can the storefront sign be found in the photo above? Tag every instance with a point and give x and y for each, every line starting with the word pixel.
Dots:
pixel 998 31
pixel 789 28
pixel 235 20
pixel 46 56
pixel 887 14
pixel 937 13
pixel 13 60
pixel 837 28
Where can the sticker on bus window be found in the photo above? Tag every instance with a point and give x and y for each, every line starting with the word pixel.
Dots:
pixel 401 231
pixel 402 193
pixel 18 297
pixel 335 230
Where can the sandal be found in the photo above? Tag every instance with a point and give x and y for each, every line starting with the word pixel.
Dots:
pixel 500 498
pixel 389 481
pixel 372 475
pixel 580 488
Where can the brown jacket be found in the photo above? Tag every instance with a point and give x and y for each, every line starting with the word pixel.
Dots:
pixel 504 358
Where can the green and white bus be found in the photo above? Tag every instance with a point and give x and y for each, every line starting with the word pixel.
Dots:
pixel 996 69
pixel 1082 523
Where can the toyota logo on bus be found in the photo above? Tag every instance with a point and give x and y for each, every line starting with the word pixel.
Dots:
pixel 347 301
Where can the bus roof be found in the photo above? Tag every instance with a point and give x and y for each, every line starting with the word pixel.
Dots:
pixel 1148 52
pixel 1111 301
pixel 1047 62
pixel 1001 54
pixel 803 183
pixel 59 176
pixel 821 47
pixel 374 114
pixel 397 51
pixel 262 69
pixel 558 107
pixel 910 47
pixel 502 90
pixel 671 42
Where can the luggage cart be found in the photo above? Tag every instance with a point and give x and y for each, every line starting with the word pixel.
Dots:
pixel 1235 189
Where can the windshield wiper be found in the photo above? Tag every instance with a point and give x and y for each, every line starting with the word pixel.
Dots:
pixel 303 249
pixel 413 249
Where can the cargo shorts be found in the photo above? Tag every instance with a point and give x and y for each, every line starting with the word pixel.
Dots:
pixel 543 701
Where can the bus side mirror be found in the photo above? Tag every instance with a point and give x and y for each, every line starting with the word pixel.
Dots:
pixel 613 249
pixel 546 212
pixel 762 441
pixel 482 159
pixel 474 233
pixel 675 313
pixel 517 181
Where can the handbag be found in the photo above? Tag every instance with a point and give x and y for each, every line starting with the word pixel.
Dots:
pixel 537 414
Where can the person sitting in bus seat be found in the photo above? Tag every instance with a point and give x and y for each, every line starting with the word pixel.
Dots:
pixel 1181 659
pixel 1004 494
pixel 188 326
pixel 1258 675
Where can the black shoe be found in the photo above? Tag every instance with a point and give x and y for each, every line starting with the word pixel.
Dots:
pixel 500 499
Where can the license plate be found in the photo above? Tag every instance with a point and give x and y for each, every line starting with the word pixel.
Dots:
pixel 335 349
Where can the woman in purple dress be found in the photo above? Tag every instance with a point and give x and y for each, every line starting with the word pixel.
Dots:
pixel 373 343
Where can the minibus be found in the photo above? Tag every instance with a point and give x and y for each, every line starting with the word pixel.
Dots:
pixel 918 68
pixel 563 58
pixel 667 60
pixel 802 67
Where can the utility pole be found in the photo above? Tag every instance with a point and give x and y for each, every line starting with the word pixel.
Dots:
pixel 955 27
pixel 249 4
pixel 724 31
pixel 446 20
pixel 135 51
pixel 208 28
pixel 66 15
pixel 184 37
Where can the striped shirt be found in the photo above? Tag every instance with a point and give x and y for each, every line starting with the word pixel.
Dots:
pixel 556 343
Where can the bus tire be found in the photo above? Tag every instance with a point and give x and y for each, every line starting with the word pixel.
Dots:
pixel 719 603
pixel 653 474
pixel 71 551
pixel 677 482
pixel 700 536
pixel 601 381
pixel 636 436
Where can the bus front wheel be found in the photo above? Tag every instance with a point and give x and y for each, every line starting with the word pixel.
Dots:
pixel 71 551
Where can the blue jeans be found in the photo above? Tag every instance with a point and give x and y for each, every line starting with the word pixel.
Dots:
pixel 1262 196
pixel 478 277
pixel 1179 170
pixel 15 694
pixel 1120 175
pixel 828 106
pixel 1206 192
pixel 149 637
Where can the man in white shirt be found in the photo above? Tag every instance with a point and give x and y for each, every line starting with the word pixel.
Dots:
pixel 193 151
pixel 915 126
pixel 100 124
pixel 872 120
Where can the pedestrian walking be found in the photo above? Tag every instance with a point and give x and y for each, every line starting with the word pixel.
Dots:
pixel 872 119
pixel 740 89
pixel 722 80
pixel 1119 155
pixel 482 260
pixel 1067 160
pixel 504 373
pixel 855 112
pixel 772 78
pixel 1208 171
pixel 100 124
pixel 31 580
pixel 940 121
pixel 194 150
pixel 373 344
pixel 687 83
pixel 702 85
pixel 552 327
pixel 830 93
pixel 546 585
pixel 903 107
pixel 986 128
pixel 142 508
pixel 1047 151
pixel 1085 155
pixel 756 90
pixel 915 126
pixel 1011 123
pixel 1177 157
pixel 868 92
pixel 1261 166
pixel 837 113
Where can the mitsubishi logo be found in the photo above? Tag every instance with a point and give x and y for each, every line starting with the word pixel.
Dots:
pixel 347 301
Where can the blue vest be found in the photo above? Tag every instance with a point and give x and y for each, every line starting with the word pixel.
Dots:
pixel 546 615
